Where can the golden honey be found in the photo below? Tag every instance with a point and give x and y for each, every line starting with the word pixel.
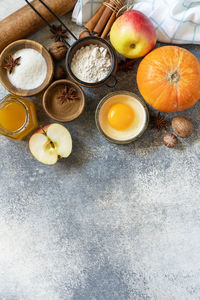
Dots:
pixel 17 117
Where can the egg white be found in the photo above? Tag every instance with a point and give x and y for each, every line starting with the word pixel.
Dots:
pixel 138 122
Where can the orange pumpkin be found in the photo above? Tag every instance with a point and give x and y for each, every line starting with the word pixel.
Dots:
pixel 168 78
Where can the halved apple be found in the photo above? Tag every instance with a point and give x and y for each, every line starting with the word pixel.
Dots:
pixel 51 142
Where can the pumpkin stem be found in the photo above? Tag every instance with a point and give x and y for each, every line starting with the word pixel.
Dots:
pixel 173 77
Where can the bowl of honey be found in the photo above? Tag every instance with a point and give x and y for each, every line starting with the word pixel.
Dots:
pixel 121 117
pixel 17 117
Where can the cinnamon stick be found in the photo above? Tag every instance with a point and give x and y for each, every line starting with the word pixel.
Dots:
pixel 108 25
pixel 110 21
pixel 95 18
pixel 103 20
pixel 83 34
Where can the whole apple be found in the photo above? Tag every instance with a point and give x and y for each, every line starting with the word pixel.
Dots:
pixel 133 34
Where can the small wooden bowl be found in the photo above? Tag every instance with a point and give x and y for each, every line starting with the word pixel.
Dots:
pixel 101 43
pixel 67 111
pixel 10 50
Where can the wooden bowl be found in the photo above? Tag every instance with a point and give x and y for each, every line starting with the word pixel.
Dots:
pixel 10 50
pixel 101 43
pixel 68 110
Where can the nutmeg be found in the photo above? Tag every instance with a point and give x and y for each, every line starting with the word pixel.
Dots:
pixel 59 72
pixel 182 126
pixel 170 140
pixel 58 50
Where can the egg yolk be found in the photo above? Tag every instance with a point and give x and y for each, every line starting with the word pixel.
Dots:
pixel 120 116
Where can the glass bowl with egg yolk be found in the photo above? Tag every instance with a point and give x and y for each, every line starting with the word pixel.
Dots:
pixel 121 117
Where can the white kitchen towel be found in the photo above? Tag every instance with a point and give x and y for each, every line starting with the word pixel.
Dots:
pixel 175 21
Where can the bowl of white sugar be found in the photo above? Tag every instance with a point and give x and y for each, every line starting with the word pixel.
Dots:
pixel 26 68
pixel 91 62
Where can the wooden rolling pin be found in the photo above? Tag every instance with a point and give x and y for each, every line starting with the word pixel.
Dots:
pixel 25 21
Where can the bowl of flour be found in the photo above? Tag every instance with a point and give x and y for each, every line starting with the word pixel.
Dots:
pixel 33 72
pixel 92 62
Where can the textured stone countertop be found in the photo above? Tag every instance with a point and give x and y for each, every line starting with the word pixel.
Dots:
pixel 110 222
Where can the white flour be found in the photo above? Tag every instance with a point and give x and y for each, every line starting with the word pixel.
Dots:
pixel 31 72
pixel 91 63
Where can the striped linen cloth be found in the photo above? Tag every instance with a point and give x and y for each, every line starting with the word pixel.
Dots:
pixel 175 21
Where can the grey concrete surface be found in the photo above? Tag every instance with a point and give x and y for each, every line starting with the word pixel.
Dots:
pixel 110 222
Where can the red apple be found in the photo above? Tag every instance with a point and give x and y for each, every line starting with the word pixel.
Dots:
pixel 133 34
pixel 51 142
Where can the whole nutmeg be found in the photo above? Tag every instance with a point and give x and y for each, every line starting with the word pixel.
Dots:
pixel 59 73
pixel 182 126
pixel 170 140
pixel 58 50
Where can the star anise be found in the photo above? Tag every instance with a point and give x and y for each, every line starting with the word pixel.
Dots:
pixel 159 122
pixel 10 63
pixel 68 94
pixel 126 65
pixel 59 33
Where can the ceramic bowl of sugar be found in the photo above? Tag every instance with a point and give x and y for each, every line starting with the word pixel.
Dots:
pixel 92 62
pixel 26 68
